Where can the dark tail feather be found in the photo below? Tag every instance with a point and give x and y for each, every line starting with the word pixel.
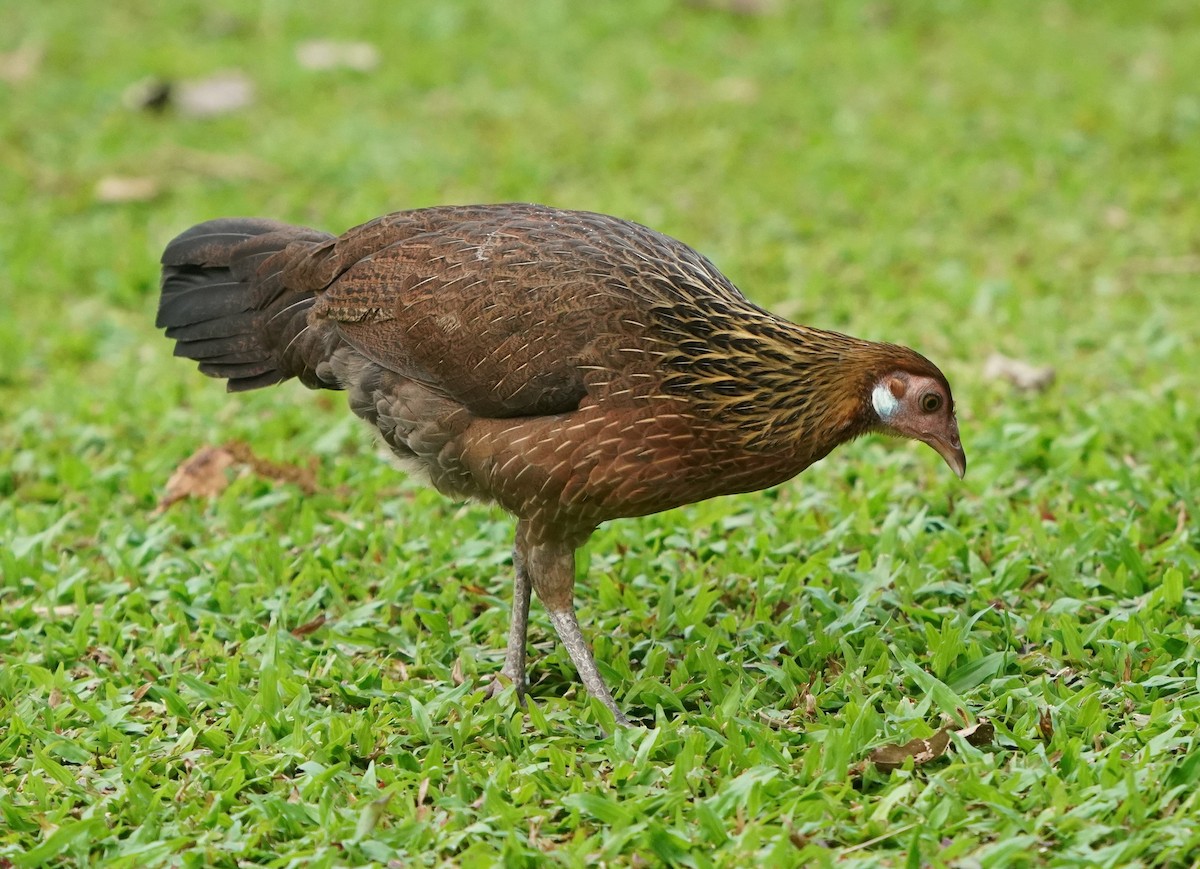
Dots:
pixel 233 301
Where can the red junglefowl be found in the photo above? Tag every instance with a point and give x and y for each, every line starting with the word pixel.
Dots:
pixel 568 366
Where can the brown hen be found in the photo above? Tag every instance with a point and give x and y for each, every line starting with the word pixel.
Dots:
pixel 569 366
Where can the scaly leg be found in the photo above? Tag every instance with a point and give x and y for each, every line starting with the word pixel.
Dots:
pixel 514 656
pixel 567 625
pixel 552 570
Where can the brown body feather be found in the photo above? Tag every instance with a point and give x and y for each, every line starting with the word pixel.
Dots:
pixel 570 366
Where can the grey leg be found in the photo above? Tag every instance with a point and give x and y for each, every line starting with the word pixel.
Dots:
pixel 514 656
pixel 567 625
pixel 552 571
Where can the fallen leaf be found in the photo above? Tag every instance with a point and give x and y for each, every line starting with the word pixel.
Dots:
pixel 122 188
pixel 889 757
pixel 456 672
pixel 1021 374
pixel 308 627
pixel 807 701
pixel 979 734
pixel 798 839
pixel 21 63
pixel 422 793
pixel 219 94
pixel 64 611
pixel 1046 725
pixel 324 54
pixel 202 475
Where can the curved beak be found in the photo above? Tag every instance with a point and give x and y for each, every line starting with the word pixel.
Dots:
pixel 949 447
pixel 952 453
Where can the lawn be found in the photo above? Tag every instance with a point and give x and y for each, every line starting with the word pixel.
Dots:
pixel 292 675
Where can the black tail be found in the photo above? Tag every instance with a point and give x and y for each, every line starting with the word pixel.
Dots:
pixel 234 298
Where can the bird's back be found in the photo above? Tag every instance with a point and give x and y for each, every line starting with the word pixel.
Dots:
pixel 517 310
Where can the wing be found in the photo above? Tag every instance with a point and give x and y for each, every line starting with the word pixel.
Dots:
pixel 511 310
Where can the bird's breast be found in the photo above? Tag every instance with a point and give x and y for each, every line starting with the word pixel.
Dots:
pixel 583 468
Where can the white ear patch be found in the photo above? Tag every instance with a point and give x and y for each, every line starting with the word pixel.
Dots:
pixel 883 401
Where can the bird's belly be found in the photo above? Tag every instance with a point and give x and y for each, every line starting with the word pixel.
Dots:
pixel 577 470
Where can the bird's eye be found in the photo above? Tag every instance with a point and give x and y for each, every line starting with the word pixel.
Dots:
pixel 930 402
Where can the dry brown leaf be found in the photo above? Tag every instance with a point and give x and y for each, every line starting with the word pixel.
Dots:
pixel 1046 725
pixel 308 627
pixel 422 792
pixel 456 672
pixel 1021 374
pixel 889 757
pixel 101 656
pixel 322 54
pixel 979 734
pixel 807 701
pixel 202 475
pixel 20 64
pixel 64 611
pixel 124 188
pixel 219 94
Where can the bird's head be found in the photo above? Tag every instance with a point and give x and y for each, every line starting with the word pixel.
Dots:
pixel 920 406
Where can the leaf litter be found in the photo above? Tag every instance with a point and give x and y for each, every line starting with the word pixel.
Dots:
pixel 221 93
pixel 328 54
pixel 922 751
pixel 205 473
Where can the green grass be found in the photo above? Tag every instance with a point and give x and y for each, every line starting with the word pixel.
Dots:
pixel 960 177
